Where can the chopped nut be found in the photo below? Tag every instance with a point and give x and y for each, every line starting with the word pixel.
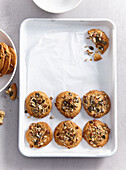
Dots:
pixel 51 98
pixel 85 60
pixel 51 117
pixel 89 52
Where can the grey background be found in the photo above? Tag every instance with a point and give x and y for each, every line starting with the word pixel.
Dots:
pixel 12 13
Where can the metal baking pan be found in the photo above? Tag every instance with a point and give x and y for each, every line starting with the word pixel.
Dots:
pixel 52 60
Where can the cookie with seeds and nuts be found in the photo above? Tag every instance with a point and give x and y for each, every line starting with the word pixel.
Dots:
pixel 69 104
pixel 13 60
pixel 100 39
pixel 38 104
pixel 7 60
pixel 96 103
pixel 39 135
pixel 68 134
pixel 96 133
pixel 2 57
pixel 12 91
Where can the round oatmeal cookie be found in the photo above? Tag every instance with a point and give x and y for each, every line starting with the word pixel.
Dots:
pixel 38 104
pixel 96 103
pixel 96 133
pixel 69 104
pixel 68 134
pixel 100 39
pixel 39 135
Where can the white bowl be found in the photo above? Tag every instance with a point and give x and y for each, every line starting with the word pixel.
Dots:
pixel 57 6
pixel 6 79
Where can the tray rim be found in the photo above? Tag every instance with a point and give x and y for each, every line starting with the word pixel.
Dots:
pixel 115 86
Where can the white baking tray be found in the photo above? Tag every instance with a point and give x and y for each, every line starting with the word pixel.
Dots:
pixel 52 60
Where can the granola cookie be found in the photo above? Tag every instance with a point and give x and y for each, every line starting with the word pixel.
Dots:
pixel 68 134
pixel 13 60
pixel 38 104
pixel 96 133
pixel 100 39
pixel 39 135
pixel 96 103
pixel 7 61
pixel 2 57
pixel 69 104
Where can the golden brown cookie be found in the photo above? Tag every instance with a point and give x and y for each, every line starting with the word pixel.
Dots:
pixel 100 39
pixel 2 57
pixel 13 60
pixel 38 104
pixel 7 60
pixel 39 135
pixel 68 134
pixel 96 103
pixel 96 133
pixel 69 104
pixel 12 91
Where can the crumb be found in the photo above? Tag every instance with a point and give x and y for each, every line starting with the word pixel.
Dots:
pixel 90 59
pixel 51 98
pixel 2 114
pixel 5 97
pixel 85 46
pixel 91 48
pixel 97 57
pixel 89 52
pixel 87 37
pixel 28 117
pixel 12 91
pixel 96 51
pixel 51 117
pixel 85 60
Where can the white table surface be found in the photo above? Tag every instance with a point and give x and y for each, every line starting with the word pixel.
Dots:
pixel 12 13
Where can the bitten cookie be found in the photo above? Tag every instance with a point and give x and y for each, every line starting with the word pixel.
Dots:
pixel 69 104
pixel 39 135
pixel 68 134
pixel 38 104
pixel 100 39
pixel 96 133
pixel 13 60
pixel 7 60
pixel 96 103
